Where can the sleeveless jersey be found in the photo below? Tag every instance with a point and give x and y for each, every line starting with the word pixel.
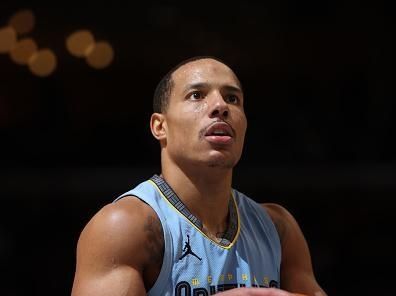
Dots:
pixel 249 254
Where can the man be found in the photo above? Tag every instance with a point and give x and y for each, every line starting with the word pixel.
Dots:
pixel 187 232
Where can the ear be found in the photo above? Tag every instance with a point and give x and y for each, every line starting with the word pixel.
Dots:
pixel 158 126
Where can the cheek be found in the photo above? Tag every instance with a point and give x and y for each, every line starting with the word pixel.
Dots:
pixel 242 123
pixel 182 127
pixel 200 107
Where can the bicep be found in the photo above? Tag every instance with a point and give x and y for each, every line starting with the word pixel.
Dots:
pixel 296 258
pixel 121 280
pixel 296 266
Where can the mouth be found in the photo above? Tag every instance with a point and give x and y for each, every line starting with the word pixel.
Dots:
pixel 219 133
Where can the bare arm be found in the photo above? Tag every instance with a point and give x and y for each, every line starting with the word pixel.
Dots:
pixel 296 267
pixel 113 251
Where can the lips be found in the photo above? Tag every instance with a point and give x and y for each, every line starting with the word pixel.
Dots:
pixel 219 133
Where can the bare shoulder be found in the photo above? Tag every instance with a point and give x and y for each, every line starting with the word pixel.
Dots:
pixel 121 238
pixel 119 229
pixel 122 216
pixel 282 218
pixel 276 210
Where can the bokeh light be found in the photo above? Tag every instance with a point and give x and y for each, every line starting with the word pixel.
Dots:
pixel 23 21
pixel 79 43
pixel 43 62
pixel 8 39
pixel 101 55
pixel 23 50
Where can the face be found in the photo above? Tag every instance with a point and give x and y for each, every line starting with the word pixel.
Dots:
pixel 205 122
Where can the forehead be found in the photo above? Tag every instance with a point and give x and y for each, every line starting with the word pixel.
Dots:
pixel 204 71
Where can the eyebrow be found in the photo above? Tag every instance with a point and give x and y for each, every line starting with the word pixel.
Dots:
pixel 205 85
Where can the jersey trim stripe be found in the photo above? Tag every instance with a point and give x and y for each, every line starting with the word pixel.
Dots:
pixel 196 227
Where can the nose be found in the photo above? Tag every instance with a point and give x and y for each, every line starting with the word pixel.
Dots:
pixel 219 107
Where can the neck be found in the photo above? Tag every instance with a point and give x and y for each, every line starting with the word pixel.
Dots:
pixel 205 190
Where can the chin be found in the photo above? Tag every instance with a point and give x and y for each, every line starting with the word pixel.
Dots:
pixel 221 161
pixel 221 165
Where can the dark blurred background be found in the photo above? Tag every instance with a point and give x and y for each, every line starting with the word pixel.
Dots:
pixel 319 87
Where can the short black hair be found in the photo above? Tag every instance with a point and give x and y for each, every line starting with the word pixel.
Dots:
pixel 164 87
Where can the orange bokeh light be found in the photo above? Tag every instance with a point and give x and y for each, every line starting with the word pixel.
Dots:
pixel 23 21
pixel 79 42
pixel 8 39
pixel 43 62
pixel 23 50
pixel 101 55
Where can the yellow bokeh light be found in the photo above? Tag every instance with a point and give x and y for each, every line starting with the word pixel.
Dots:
pixel 23 50
pixel 101 55
pixel 23 21
pixel 8 39
pixel 79 42
pixel 43 62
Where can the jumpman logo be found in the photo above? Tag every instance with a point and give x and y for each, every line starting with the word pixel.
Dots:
pixel 187 249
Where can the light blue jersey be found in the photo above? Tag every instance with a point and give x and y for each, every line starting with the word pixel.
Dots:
pixel 249 254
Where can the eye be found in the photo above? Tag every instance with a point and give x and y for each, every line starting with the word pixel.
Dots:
pixel 232 99
pixel 196 95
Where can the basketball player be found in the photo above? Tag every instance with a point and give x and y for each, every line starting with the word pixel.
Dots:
pixel 187 231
